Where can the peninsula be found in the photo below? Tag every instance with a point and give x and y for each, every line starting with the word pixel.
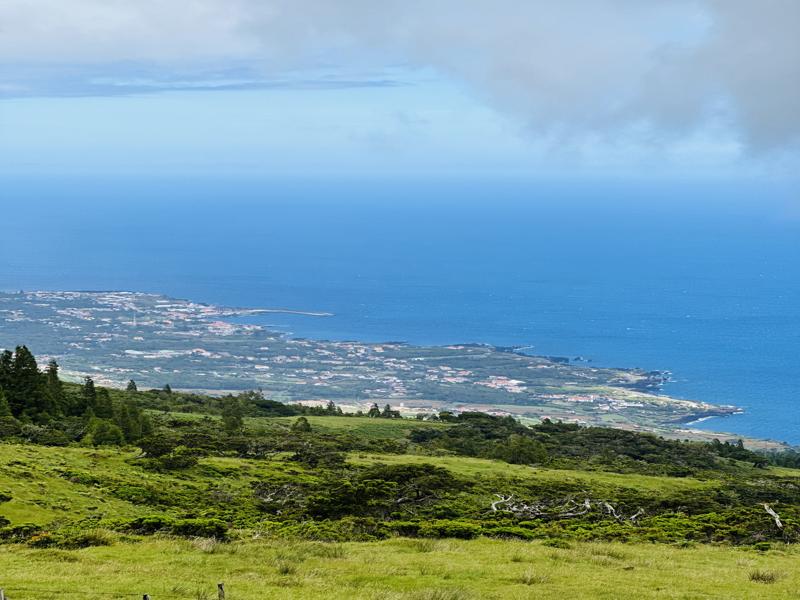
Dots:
pixel 115 337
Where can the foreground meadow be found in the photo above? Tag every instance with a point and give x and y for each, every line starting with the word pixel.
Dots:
pixel 257 569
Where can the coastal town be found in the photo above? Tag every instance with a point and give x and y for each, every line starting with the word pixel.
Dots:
pixel 116 337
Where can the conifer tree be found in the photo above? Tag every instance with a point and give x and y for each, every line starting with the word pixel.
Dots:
pixel 89 396
pixel 132 386
pixel 55 389
pixel 25 392
pixel 5 369
pixel 103 405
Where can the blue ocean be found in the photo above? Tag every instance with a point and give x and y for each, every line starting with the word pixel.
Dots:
pixel 700 279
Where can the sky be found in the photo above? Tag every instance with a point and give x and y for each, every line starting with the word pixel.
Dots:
pixel 674 89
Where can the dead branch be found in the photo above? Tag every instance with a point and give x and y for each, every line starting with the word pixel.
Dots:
pixel 774 515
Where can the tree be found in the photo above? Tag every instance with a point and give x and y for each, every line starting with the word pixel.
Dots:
pixel 131 386
pixel 6 360
pixel 374 411
pixel 89 395
pixel 24 389
pixel 167 389
pixel 522 450
pixel 388 413
pixel 159 444
pixel 301 425
pixel 55 389
pixel 103 433
pixel 104 408
pixel 232 414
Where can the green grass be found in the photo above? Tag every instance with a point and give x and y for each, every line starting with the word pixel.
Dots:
pixel 477 467
pixel 360 426
pixel 43 491
pixel 39 480
pixel 397 569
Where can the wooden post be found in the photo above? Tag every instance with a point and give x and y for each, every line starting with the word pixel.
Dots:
pixel 220 591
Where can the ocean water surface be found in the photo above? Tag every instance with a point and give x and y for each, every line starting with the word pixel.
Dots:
pixel 702 280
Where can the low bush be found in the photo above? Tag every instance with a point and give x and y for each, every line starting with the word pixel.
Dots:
pixel 444 528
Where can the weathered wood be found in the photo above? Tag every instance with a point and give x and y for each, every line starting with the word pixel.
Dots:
pixel 221 591
pixel 2 594
pixel 774 515
pixel 146 597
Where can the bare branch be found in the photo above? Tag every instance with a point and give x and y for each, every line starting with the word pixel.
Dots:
pixel 774 515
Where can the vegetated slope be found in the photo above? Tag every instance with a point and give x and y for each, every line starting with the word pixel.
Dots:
pixel 91 477
pixel 87 504
pixel 288 478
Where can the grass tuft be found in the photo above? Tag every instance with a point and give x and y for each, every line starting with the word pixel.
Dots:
pixel 759 576
pixel 530 577
pixel 424 545
pixel 285 568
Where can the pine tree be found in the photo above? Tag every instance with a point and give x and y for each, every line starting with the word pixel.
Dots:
pixel 127 422
pixel 131 386
pixel 89 396
pixel 6 359
pixel 55 389
pixel 25 392
pixel 374 411
pixel 104 408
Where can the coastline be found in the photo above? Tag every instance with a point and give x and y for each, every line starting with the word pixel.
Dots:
pixel 114 336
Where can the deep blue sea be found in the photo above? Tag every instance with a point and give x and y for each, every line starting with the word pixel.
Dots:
pixel 700 279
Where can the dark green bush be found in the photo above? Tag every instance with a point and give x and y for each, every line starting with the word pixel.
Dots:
pixel 210 528
pixel 19 533
pixel 449 529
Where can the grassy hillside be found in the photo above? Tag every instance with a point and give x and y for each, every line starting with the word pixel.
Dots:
pixel 113 493
pixel 55 487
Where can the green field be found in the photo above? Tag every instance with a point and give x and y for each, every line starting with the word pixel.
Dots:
pixel 49 487
pixel 400 568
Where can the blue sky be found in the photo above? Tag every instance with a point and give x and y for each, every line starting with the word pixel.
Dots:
pixel 685 89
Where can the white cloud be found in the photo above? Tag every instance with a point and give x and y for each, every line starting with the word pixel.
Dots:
pixel 598 68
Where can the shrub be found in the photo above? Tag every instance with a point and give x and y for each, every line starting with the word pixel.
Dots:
pixel 72 540
pixel 557 543
pixel 180 458
pixel 44 539
pixel 207 528
pixel 9 427
pixel 508 532
pixel 404 528
pixel 147 525
pixel 85 539
pixel 19 533
pixel 444 528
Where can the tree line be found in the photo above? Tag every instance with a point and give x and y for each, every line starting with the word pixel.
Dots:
pixel 37 406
